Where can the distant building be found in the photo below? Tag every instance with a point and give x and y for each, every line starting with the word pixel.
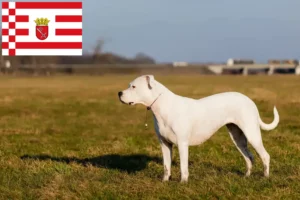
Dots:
pixel 290 62
pixel 286 61
pixel 274 62
pixel 180 64
pixel 231 61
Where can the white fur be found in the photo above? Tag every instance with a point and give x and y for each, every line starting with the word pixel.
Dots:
pixel 185 122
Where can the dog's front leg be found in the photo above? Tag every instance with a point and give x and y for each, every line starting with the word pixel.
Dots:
pixel 183 148
pixel 166 148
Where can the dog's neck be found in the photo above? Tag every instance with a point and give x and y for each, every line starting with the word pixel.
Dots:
pixel 161 95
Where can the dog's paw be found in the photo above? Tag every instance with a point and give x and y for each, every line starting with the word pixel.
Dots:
pixel 248 173
pixel 166 178
pixel 184 181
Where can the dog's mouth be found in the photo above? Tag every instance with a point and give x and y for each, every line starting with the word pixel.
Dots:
pixel 130 103
pixel 122 100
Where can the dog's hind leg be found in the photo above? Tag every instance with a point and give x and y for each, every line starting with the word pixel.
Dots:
pixel 253 135
pixel 240 141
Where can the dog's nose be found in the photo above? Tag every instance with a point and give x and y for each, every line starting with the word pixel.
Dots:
pixel 120 94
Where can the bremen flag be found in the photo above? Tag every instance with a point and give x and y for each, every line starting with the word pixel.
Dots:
pixel 41 28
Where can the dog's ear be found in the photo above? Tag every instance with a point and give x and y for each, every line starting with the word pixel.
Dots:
pixel 149 79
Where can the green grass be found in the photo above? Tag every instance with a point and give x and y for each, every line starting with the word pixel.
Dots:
pixel 70 138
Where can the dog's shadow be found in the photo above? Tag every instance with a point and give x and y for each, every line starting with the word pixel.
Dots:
pixel 127 163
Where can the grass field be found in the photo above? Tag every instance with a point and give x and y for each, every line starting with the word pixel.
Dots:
pixel 71 138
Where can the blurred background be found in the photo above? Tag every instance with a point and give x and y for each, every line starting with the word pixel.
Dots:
pixel 206 37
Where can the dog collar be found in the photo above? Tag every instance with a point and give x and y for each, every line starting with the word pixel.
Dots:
pixel 149 107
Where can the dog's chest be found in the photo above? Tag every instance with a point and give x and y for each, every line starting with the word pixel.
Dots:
pixel 164 130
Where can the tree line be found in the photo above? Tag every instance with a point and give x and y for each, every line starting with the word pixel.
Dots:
pixel 96 57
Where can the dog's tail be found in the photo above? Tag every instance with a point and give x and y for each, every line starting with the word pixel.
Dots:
pixel 268 127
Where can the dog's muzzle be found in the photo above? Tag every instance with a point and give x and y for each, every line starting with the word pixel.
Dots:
pixel 120 95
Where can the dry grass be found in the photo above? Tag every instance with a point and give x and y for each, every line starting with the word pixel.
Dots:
pixel 70 138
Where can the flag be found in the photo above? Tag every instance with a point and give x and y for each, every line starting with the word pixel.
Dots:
pixel 41 28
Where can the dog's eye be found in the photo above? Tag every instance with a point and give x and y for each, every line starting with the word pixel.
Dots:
pixel 133 86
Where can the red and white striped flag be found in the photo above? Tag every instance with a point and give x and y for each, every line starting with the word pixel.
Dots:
pixel 41 28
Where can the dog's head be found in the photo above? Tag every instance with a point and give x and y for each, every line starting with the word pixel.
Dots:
pixel 140 91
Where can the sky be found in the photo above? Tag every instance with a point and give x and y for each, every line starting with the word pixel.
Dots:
pixel 194 30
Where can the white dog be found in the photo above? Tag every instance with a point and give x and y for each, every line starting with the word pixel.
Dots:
pixel 185 122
